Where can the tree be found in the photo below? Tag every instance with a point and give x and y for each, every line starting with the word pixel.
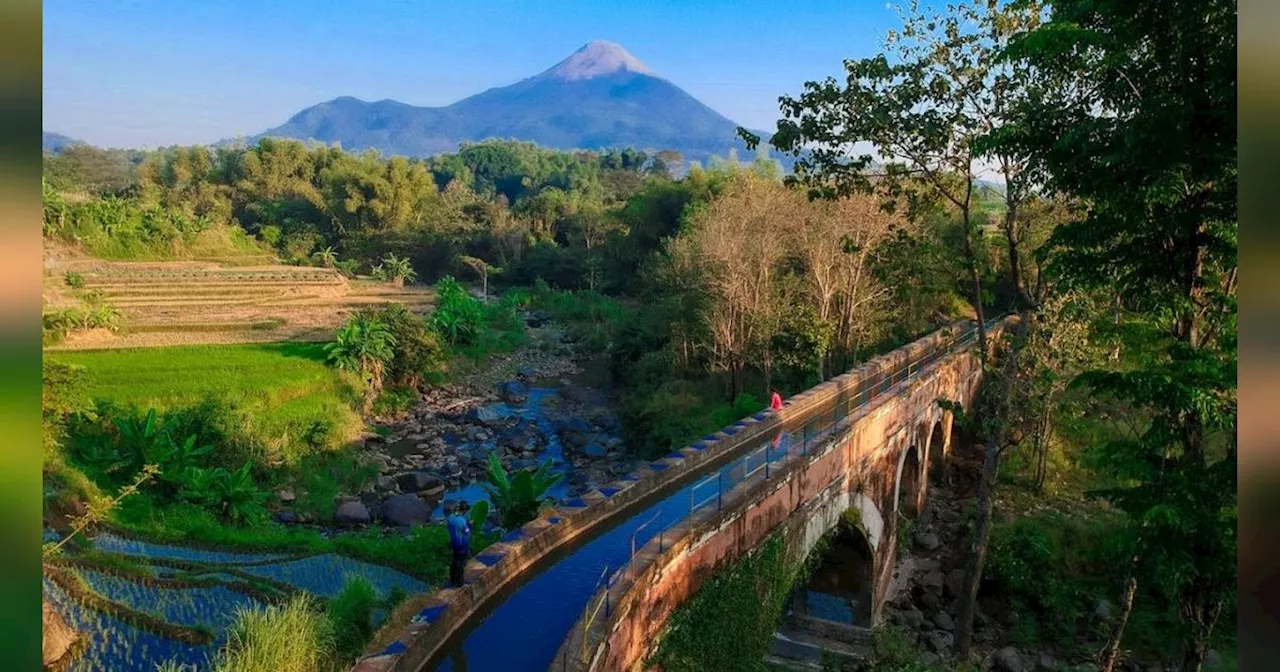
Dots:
pixel 483 269
pixel 327 257
pixel 366 345
pixel 1132 110
pixel 396 269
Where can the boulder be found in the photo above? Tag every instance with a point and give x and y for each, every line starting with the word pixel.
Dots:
pixel 482 415
pixel 433 494
pixel 927 541
pixel 913 618
pixel 939 642
pixel 526 374
pixel 286 496
pixel 943 620
pixel 1008 660
pixel 351 513
pixel 405 510
pixel 1046 663
pixel 58 636
pixel 385 484
pixel 594 449
pixel 285 517
pixel 416 481
pixel 513 392
pixel 932 580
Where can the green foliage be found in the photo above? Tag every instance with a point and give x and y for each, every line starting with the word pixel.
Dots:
pixel 729 623
pixel 73 280
pixel 458 317
pixel 417 351
pixel 479 515
pixel 351 612
pixel 518 497
pixel 293 637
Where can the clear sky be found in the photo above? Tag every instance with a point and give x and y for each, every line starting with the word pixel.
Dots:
pixel 150 73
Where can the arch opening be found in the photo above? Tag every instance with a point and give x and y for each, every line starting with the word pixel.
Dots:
pixel 908 502
pixel 841 586
pixel 937 455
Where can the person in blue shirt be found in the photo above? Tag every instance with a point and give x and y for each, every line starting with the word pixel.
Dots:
pixel 460 541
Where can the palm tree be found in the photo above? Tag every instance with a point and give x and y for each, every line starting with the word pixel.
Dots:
pixel 365 345
pixel 398 269
pixel 327 257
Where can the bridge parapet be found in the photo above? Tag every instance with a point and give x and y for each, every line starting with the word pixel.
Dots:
pixel 849 461
pixel 420 628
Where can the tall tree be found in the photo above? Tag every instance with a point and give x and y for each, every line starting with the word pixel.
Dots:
pixel 1133 110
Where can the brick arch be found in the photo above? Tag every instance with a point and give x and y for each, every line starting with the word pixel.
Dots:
pixel 938 448
pixel 907 500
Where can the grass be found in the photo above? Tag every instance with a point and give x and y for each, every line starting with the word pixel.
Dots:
pixel 284 386
pixel 294 637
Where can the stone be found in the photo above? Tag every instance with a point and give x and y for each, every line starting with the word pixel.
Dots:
pixel 1046 663
pixel 482 415
pixel 594 450
pixel 912 618
pixel 955 584
pixel 285 517
pixel 1008 660
pixel 932 580
pixel 943 620
pixel 1102 609
pixel 939 642
pixel 513 392
pixel 58 636
pixel 286 496
pixel 927 541
pixel 526 374
pixel 433 494
pixel 930 600
pixel 416 481
pixel 351 513
pixel 385 484
pixel 405 510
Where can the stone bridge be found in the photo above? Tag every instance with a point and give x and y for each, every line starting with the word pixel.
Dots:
pixel 874 470
pixel 863 441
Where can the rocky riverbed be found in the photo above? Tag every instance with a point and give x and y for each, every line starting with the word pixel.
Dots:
pixel 534 405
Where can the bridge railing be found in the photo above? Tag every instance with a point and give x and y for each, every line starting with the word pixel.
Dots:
pixel 760 463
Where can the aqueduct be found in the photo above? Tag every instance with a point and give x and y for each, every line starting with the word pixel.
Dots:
pixel 862 446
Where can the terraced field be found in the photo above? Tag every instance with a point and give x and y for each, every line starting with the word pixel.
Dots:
pixel 200 302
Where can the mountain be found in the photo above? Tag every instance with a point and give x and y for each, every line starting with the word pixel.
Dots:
pixel 600 96
pixel 54 142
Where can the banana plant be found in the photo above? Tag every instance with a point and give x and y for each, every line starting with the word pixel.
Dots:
pixel 518 497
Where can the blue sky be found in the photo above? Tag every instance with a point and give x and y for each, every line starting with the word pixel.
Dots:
pixel 159 72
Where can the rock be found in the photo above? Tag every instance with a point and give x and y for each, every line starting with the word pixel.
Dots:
pixel 482 415
pixel 285 517
pixel 526 374
pixel 573 393
pixel 351 513
pixel 913 618
pixel 416 481
pixel 939 642
pixel 955 584
pixel 927 541
pixel 1008 660
pixel 286 496
pixel 943 620
pixel 513 392
pixel 932 580
pixel 385 484
pixel 405 510
pixel 1046 663
pixel 1102 609
pixel 930 601
pixel 58 636
pixel 433 494
pixel 594 450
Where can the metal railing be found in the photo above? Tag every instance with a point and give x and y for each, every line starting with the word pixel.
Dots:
pixel 781 448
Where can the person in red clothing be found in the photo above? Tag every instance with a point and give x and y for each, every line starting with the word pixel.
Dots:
pixel 775 402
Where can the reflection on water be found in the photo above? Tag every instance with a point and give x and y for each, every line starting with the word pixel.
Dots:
pixel 840 588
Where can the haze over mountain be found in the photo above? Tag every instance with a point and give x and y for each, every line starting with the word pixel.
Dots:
pixel 600 96
pixel 54 142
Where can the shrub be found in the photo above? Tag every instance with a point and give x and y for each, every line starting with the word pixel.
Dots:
pixel 417 353
pixel 294 637
pixel 74 280
pixel 352 614
pixel 366 345
pixel 458 317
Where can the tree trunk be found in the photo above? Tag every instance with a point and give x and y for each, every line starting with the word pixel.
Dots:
pixel 1044 435
pixel 977 556
pixel 977 288
pixel 1015 269
pixel 1112 652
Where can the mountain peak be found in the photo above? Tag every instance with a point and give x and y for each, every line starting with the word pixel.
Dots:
pixel 597 58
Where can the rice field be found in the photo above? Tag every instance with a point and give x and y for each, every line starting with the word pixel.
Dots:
pixel 186 302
